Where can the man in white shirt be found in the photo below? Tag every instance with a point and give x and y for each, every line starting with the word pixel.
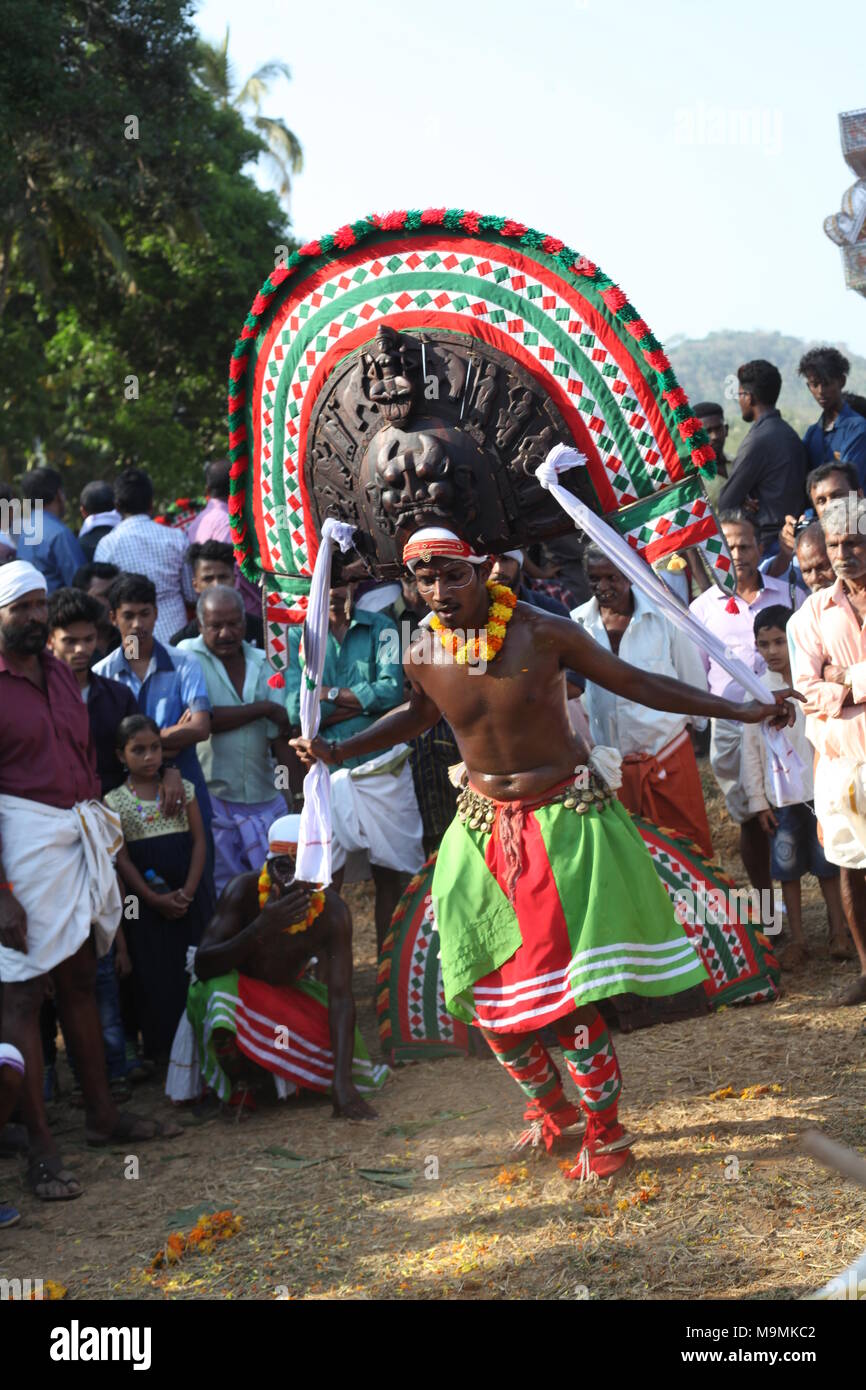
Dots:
pixel 139 545
pixel 732 620
pixel 660 775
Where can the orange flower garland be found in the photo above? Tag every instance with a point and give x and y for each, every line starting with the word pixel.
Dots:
pixel 317 901
pixel 488 646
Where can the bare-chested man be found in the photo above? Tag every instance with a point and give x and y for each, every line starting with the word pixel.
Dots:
pixel 250 1009
pixel 545 896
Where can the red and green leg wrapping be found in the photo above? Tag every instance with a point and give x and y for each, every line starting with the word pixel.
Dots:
pixel 528 1061
pixel 593 1067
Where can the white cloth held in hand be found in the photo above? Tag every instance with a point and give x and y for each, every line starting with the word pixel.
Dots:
pixel 313 863
pixel 785 766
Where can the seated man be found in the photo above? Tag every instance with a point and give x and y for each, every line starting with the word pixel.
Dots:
pixel 213 562
pixel 251 1010
pixel 247 727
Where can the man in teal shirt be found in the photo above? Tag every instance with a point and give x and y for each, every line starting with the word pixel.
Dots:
pixel 374 807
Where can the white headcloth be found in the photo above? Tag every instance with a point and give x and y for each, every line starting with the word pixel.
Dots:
pixel 19 578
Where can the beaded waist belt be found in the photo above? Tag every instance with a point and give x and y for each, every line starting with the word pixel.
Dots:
pixel 579 793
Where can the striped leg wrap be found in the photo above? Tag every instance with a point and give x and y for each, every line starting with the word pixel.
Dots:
pixel 593 1067
pixel 531 1066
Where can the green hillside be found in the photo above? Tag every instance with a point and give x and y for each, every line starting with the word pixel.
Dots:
pixel 707 367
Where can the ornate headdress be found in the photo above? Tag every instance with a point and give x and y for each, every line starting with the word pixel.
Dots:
pixel 413 370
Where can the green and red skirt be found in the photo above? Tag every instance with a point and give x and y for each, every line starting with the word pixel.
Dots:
pixel 545 905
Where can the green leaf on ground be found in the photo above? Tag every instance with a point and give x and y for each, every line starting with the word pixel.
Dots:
pixel 389 1177
pixel 408 1128
pixel 187 1216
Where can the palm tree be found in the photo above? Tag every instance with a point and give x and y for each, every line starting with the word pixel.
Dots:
pixel 215 72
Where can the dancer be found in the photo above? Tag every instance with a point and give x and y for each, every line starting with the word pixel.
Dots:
pixel 545 897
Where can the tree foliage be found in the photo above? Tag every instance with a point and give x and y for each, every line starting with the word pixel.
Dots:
pixel 131 241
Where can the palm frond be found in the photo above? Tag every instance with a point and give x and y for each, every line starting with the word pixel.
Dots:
pixel 282 142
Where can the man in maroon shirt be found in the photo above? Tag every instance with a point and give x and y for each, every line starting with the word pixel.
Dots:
pixel 56 877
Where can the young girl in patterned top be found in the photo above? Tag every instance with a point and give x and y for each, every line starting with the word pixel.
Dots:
pixel 162 864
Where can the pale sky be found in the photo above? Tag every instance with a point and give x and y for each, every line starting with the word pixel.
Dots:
pixel 691 149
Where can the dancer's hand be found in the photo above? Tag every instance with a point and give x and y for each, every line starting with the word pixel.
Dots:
pixel 780 714
pixel 313 750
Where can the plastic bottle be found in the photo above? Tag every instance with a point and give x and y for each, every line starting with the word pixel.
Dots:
pixel 155 882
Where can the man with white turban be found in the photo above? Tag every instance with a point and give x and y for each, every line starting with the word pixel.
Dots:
pixel 57 877
pixel 252 1008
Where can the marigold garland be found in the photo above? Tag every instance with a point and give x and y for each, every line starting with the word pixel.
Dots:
pixel 222 1225
pixel 317 902
pixel 488 646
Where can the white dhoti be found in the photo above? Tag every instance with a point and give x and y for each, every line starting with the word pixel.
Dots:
pixel 374 808
pixel 726 745
pixel 840 807
pixel 60 865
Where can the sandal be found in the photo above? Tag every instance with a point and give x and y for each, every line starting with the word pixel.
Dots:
pixel 42 1172
pixel 9 1216
pixel 129 1127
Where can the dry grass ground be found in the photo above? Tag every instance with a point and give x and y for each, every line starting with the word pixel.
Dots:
pixel 722 1203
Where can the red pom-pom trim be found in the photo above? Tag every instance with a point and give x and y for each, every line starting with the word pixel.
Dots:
pixel 689 427
pixel 614 298
pixel 515 229
pixel 312 248
pixel 236 504
pixel 433 217
pixel 675 397
pixel 658 360
pixel 552 245
pixel 393 221
pixel 470 222
pixel 705 454
pixel 344 237
pixel 584 266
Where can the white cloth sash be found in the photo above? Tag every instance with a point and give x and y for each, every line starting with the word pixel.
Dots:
pixel 314 838
pixel 785 766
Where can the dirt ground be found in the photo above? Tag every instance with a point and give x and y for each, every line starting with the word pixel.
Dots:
pixel 428 1202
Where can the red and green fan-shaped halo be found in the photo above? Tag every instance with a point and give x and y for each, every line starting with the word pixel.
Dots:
pixel 491 278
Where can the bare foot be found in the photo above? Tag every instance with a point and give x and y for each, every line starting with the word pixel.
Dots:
pixel 842 948
pixel 854 994
pixel 795 956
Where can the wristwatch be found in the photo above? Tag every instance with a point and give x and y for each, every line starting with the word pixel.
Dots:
pixel 333 693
